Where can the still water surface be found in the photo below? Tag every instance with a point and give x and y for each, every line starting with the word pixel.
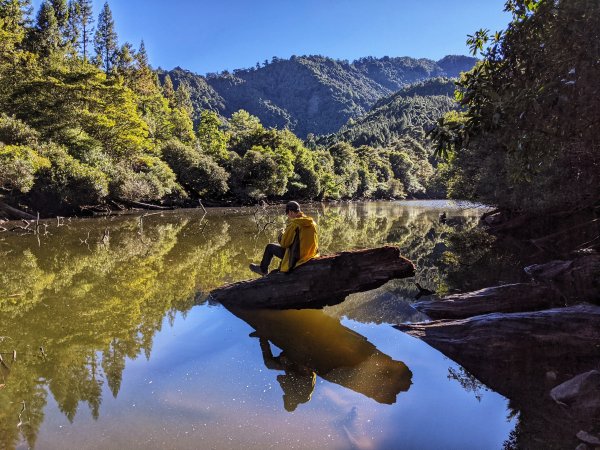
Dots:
pixel 117 347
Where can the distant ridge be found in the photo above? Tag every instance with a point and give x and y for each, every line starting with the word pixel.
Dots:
pixel 410 111
pixel 311 94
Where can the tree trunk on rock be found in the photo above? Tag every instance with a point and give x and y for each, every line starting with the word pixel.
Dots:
pixel 15 213
pixel 506 299
pixel 556 283
pixel 323 281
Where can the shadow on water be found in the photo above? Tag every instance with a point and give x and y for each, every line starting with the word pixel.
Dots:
pixel 315 344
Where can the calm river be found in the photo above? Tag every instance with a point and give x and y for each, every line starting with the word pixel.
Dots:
pixel 108 342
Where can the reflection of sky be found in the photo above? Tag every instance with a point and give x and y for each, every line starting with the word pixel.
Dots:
pixel 205 386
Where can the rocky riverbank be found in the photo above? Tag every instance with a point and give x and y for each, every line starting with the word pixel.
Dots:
pixel 538 342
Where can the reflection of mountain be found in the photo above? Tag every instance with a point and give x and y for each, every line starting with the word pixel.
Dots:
pixel 313 342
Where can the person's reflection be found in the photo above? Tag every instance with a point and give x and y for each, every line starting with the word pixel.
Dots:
pixel 313 343
pixel 297 383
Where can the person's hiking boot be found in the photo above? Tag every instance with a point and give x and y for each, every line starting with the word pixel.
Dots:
pixel 256 269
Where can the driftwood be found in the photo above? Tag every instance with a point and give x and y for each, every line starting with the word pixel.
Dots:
pixel 556 283
pixel 17 213
pixel 323 281
pixel 509 298
pixel 145 205
pixel 523 356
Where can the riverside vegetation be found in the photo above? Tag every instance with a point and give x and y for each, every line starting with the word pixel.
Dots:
pixel 526 142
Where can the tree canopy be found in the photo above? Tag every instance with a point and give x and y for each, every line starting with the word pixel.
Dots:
pixel 528 140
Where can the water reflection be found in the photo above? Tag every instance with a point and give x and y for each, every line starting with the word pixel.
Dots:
pixel 93 293
pixel 313 343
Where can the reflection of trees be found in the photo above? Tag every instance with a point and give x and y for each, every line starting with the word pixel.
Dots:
pixel 421 238
pixel 467 381
pixel 91 305
pixel 474 259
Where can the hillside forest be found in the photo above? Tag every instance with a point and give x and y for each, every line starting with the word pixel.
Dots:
pixel 87 124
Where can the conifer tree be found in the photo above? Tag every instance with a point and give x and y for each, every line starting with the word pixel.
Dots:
pixel 16 14
pixel 183 99
pixel 124 60
pixel 84 24
pixel 105 40
pixel 72 32
pixel 61 11
pixel 169 90
pixel 47 36
pixel 142 56
pixel 19 10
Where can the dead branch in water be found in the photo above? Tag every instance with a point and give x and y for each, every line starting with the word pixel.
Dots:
pixel 201 205
pixel 105 237
pixel 85 241
pixel 258 218
pixel 141 226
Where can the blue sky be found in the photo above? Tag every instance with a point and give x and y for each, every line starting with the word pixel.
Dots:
pixel 211 36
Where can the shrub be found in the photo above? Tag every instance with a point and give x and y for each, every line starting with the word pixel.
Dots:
pixel 67 181
pixel 18 167
pixel 143 178
pixel 15 132
pixel 196 171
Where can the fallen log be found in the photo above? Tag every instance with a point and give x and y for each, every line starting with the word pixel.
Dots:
pixel 518 297
pixel 556 283
pixel 323 281
pixel 523 356
pixel 16 213
pixel 145 205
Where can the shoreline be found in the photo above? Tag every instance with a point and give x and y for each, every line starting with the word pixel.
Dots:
pixel 96 212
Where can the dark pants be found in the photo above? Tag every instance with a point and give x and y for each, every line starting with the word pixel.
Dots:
pixel 270 251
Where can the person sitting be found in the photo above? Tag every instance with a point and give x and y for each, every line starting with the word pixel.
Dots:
pixel 297 244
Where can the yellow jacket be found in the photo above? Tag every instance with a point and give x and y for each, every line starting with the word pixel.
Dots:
pixel 300 250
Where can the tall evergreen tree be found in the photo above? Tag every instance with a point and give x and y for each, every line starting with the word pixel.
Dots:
pixel 16 14
pixel 84 24
pixel 124 60
pixel 169 90
pixel 61 11
pixel 72 31
pixel 142 56
pixel 183 98
pixel 105 40
pixel 47 35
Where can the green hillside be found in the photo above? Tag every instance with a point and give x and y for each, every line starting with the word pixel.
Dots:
pixel 311 94
pixel 411 111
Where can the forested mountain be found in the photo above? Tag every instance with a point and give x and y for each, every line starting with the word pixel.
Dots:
pixel 202 95
pixel 411 111
pixel 88 127
pixel 311 94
